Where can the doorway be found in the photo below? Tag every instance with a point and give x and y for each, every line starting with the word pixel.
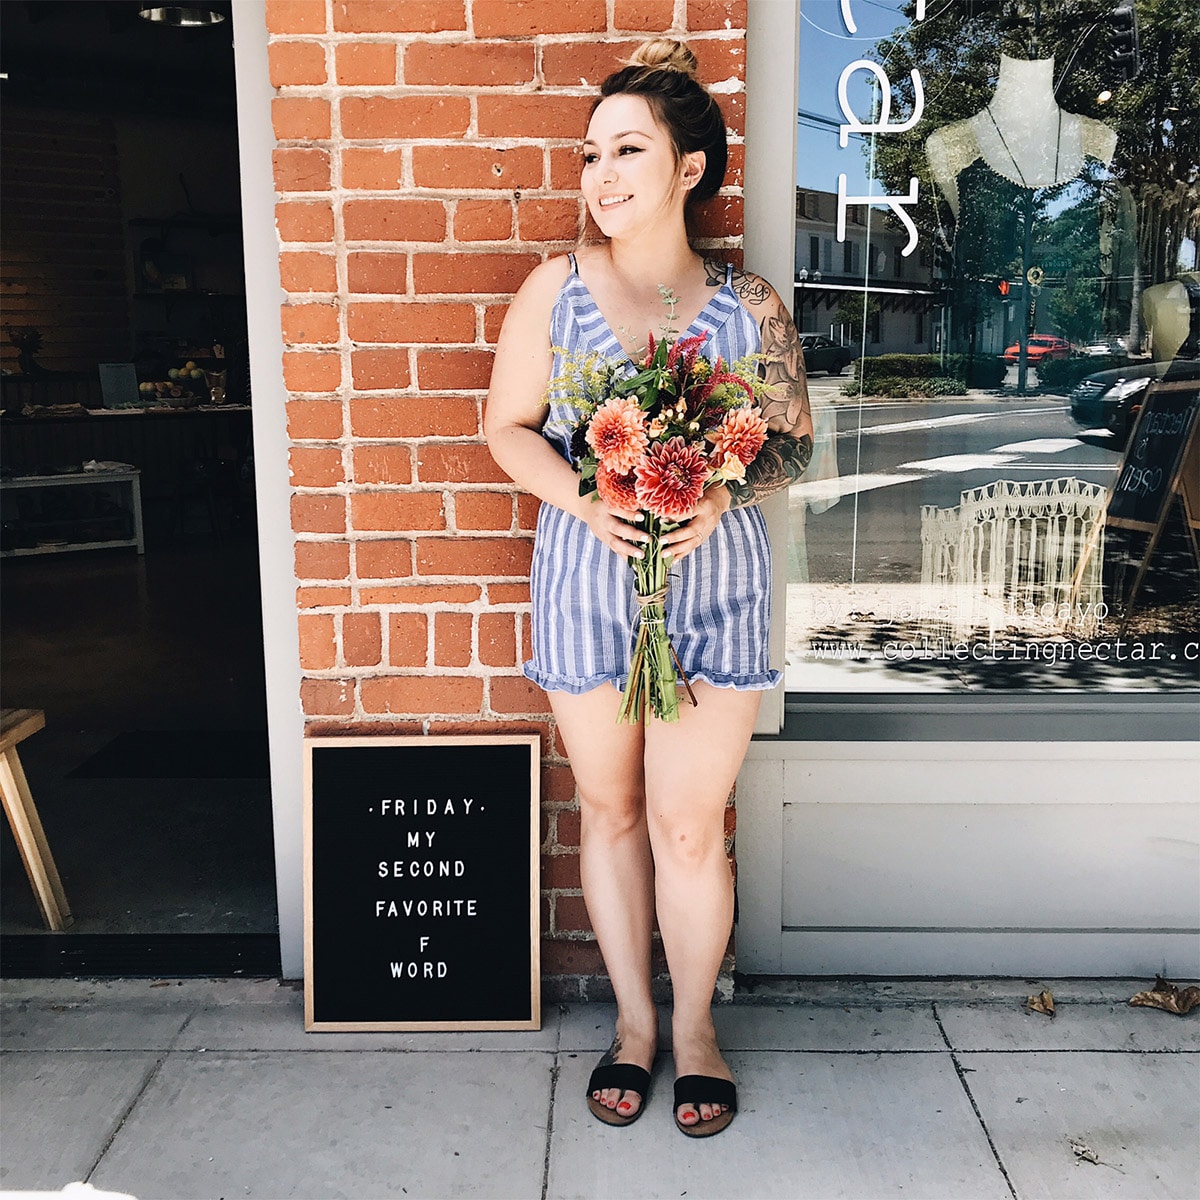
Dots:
pixel 122 246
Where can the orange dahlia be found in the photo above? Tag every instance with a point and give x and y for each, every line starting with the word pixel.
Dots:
pixel 617 491
pixel 670 479
pixel 617 434
pixel 742 432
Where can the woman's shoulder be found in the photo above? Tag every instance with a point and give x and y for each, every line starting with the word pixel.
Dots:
pixel 755 292
pixel 536 297
pixel 547 278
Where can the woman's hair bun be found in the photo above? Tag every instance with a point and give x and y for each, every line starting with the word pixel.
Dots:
pixel 665 54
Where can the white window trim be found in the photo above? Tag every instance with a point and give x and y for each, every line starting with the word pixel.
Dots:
pixel 281 655
pixel 772 95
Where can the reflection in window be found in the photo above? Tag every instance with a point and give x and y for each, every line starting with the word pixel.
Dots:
pixel 956 528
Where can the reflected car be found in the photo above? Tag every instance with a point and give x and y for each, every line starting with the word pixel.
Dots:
pixel 1042 346
pixel 1106 404
pixel 824 354
pixel 1105 348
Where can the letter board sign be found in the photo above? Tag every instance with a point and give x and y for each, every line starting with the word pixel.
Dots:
pixel 421 880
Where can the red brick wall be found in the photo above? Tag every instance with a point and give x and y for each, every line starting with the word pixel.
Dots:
pixel 425 162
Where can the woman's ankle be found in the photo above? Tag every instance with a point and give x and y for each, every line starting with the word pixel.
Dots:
pixel 641 1022
pixel 697 1027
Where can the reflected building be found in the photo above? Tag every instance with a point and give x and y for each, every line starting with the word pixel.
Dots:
pixel 903 300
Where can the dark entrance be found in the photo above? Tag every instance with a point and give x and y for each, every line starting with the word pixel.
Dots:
pixel 121 246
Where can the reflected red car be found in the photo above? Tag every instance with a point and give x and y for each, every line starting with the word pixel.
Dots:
pixel 1041 346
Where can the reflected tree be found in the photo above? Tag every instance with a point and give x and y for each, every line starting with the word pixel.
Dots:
pixel 1156 114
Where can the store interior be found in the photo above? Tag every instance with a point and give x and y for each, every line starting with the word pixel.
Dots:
pixel 129 583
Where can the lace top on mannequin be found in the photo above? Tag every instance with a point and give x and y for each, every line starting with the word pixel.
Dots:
pixel 1021 133
pixel 1172 313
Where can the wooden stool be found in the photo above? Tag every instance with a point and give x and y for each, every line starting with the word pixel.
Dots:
pixel 16 724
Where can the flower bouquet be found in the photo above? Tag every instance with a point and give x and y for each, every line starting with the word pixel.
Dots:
pixel 651 442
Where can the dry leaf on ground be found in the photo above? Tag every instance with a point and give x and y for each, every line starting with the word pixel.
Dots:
pixel 1167 996
pixel 1043 1002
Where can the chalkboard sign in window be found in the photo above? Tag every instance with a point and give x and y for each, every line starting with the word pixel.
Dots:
pixel 421 883
pixel 1151 473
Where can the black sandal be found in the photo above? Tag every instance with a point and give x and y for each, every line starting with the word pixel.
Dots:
pixel 629 1077
pixel 704 1089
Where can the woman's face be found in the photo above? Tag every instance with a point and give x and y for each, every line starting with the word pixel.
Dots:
pixel 631 178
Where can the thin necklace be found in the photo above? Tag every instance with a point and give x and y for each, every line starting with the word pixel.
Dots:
pixel 1012 157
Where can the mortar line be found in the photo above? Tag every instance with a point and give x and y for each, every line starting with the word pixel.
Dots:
pixel 987 1133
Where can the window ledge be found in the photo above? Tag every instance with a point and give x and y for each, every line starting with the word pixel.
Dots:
pixel 1124 717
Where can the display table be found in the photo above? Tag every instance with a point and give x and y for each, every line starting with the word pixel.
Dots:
pixel 161 442
pixel 55 531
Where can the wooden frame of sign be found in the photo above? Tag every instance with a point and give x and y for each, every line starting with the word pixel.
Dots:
pixel 417 915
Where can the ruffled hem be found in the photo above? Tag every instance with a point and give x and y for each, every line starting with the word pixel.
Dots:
pixel 762 681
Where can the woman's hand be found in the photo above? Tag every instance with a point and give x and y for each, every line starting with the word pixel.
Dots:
pixel 680 542
pixel 622 532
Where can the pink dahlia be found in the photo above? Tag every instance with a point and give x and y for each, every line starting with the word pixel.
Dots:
pixel 617 491
pixel 670 479
pixel 617 434
pixel 742 432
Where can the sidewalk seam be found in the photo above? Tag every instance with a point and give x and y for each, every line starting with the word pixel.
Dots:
pixel 987 1133
pixel 151 1075
pixel 554 1067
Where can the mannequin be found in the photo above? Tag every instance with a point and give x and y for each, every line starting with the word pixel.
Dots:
pixel 1021 133
pixel 1172 314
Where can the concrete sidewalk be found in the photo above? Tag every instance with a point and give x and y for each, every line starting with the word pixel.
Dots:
pixel 940 1091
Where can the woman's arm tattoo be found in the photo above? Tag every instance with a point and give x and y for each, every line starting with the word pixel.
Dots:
pixel 750 288
pixel 789 446
pixel 779 464
pixel 788 409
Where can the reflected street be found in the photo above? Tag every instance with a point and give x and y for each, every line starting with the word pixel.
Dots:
pixel 895 457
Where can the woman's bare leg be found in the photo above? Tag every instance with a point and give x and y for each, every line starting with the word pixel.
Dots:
pixel 615 865
pixel 690 768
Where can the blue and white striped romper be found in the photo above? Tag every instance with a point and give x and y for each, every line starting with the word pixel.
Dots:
pixel 719 602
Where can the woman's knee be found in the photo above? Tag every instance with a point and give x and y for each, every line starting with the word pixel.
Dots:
pixel 611 814
pixel 685 837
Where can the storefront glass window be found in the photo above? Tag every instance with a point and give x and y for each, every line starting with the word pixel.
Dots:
pixel 983 510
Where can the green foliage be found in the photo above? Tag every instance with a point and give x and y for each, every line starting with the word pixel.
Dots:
pixel 1064 373
pixel 916 374
pixel 898 366
pixel 850 312
pixel 902 387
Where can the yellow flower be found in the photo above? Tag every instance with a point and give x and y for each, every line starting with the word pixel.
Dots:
pixel 731 468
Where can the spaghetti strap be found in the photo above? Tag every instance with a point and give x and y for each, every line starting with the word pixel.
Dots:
pixel 728 274
pixel 574 264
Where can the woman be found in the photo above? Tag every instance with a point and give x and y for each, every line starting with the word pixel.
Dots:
pixel 652 796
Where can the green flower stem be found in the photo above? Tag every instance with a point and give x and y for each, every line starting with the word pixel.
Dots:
pixel 652 682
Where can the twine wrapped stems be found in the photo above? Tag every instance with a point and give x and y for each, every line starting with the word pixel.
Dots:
pixel 653 662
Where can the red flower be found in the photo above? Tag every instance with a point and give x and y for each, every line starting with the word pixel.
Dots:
pixel 617 434
pixel 742 432
pixel 670 479
pixel 689 348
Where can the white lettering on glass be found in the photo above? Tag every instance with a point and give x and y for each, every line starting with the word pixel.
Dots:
pixel 893 202
pixel 885 102
pixel 848 16
pixel 854 125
